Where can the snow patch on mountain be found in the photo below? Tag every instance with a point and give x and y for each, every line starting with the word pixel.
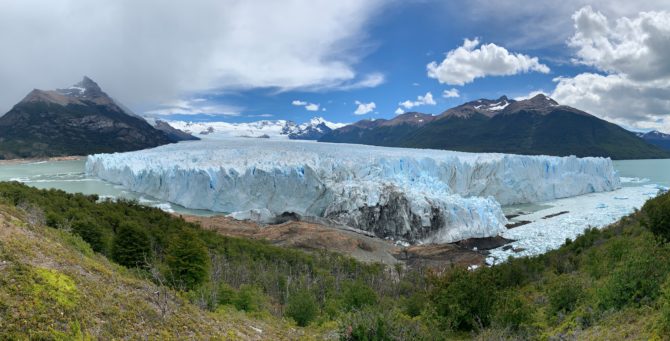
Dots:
pixel 275 129
pixel 414 195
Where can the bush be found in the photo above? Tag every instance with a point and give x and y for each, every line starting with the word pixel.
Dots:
pixel 250 298
pixel 635 281
pixel 302 308
pixel 131 246
pixel 93 235
pixel 512 312
pixel 563 294
pixel 188 261
pixel 358 295
pixel 465 299
pixel 657 216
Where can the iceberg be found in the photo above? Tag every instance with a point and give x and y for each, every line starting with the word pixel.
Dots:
pixel 411 195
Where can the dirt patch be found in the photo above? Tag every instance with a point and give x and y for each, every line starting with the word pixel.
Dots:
pixel 517 224
pixel 555 214
pixel 311 236
pixel 483 243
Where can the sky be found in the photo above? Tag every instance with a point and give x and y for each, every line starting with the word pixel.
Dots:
pixel 345 60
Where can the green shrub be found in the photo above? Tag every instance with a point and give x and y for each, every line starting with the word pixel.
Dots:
pixel 635 281
pixel 657 216
pixel 249 298
pixel 188 261
pixel 465 299
pixel 563 293
pixel 93 235
pixel 131 247
pixel 357 295
pixel 226 294
pixel 302 308
pixel 512 312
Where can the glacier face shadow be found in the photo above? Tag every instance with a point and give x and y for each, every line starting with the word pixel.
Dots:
pixel 413 195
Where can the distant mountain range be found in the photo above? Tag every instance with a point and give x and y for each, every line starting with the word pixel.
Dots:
pixel 78 120
pixel 538 125
pixel 656 138
pixel 311 130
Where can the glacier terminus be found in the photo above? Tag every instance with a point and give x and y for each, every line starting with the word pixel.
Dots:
pixel 410 195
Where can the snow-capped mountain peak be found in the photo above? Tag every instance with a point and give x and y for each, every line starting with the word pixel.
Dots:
pixel 310 130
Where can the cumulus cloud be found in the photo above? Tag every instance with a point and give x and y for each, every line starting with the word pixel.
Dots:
pixel 634 89
pixel 467 62
pixel 399 111
pixel 637 47
pixel 308 106
pixel 426 99
pixel 364 108
pixel 451 93
pixel 127 47
pixel 538 24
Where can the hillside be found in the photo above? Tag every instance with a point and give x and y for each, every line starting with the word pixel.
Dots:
pixel 656 138
pixel 535 126
pixel 54 286
pixel 58 281
pixel 78 120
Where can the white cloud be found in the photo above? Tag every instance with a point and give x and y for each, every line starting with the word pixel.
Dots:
pixel 399 111
pixel 634 90
pixel 637 47
pixel 426 99
pixel 368 81
pixel 308 106
pixel 465 63
pixel 538 24
pixel 531 95
pixel 617 98
pixel 364 108
pixel 195 107
pixel 128 49
pixel 451 93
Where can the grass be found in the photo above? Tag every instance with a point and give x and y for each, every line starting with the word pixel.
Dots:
pixel 53 286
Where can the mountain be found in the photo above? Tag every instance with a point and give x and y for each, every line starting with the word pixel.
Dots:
pixel 173 134
pixel 311 130
pixel 656 138
pixel 538 125
pixel 78 120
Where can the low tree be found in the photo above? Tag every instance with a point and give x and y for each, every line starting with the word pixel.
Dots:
pixel 657 216
pixel 131 247
pixel 188 261
pixel 302 308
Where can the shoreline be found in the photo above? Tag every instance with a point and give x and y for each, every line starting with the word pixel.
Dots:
pixel 40 159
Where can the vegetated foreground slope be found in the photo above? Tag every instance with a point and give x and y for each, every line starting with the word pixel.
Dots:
pixel 608 285
pixel 534 126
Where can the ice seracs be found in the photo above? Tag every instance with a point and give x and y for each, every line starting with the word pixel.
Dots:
pixel 413 195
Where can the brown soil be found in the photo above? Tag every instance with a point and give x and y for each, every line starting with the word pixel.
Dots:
pixel 311 237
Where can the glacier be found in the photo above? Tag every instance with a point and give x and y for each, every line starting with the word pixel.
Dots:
pixel 413 195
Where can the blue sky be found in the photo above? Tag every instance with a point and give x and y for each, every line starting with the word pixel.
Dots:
pixel 248 60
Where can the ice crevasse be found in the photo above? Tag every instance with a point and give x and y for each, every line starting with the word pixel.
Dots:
pixel 414 195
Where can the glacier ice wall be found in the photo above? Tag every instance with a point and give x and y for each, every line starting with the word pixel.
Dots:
pixel 416 195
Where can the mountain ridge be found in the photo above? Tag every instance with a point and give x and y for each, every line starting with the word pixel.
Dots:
pixel 78 120
pixel 538 125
